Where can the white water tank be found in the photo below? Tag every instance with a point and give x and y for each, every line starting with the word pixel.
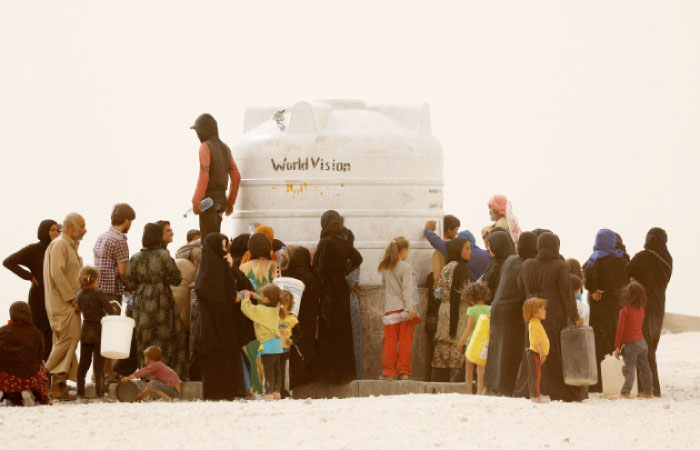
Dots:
pixel 379 166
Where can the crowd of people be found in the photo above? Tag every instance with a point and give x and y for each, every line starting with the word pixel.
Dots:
pixel 214 313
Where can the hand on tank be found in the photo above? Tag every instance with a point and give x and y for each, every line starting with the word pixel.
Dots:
pixel 34 282
pixel 597 295
pixel 431 224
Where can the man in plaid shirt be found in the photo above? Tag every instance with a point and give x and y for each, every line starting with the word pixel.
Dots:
pixel 112 253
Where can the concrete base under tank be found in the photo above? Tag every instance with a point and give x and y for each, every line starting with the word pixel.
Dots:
pixel 372 312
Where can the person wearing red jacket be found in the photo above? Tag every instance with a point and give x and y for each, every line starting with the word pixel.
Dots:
pixel 216 166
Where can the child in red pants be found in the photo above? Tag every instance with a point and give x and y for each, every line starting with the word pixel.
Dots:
pixel 400 316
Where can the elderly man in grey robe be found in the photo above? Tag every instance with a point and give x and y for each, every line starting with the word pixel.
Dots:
pixel 62 266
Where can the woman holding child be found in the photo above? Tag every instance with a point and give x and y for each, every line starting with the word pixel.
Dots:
pixel 547 276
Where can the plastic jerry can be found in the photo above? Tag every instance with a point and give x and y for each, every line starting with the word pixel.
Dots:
pixel 578 356
pixel 479 343
pixel 613 379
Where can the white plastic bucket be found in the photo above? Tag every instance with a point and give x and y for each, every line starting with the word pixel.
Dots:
pixel 116 336
pixel 613 379
pixel 294 286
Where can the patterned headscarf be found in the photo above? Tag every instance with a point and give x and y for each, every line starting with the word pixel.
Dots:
pixel 501 205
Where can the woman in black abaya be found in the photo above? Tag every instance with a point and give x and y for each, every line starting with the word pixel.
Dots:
pixel 506 336
pixel 501 247
pixel 652 268
pixel 547 276
pixel 220 350
pixel 32 257
pixel 335 257
pixel 303 356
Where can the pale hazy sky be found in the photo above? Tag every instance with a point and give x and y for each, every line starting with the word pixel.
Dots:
pixel 585 114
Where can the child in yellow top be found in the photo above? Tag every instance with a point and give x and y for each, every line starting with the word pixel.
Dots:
pixel 534 311
pixel 287 323
pixel 266 320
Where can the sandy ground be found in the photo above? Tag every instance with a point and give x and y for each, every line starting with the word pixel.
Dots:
pixel 411 421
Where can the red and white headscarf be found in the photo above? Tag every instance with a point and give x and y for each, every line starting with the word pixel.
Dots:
pixel 501 205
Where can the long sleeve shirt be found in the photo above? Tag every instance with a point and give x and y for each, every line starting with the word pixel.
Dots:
pixel 436 241
pixel 266 319
pixel 157 370
pixel 203 180
pixel 629 327
pixel 398 288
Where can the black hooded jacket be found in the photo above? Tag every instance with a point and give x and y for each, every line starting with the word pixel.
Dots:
pixel 220 155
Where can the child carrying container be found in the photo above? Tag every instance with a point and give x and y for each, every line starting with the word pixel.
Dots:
pixel 534 311
pixel 630 342
pixel 476 294
pixel 400 316
pixel 93 305
pixel 266 319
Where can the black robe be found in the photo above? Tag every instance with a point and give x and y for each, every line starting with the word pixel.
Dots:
pixel 548 277
pixel 654 275
pixel 219 346
pixel 608 275
pixel 302 361
pixel 335 257
pixel 501 246
pixel 32 257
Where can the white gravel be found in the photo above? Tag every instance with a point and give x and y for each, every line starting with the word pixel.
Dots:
pixel 401 422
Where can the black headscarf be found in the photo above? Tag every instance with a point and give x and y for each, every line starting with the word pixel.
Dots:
pixel 548 246
pixel 300 266
pixel 43 231
pixel 460 276
pixel 539 231
pixel 152 237
pixel 527 245
pixel 656 243
pixel 238 247
pixel 619 245
pixel 216 291
pixel 501 245
pixel 259 246
pixel 332 225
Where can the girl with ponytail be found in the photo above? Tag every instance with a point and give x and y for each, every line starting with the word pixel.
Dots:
pixel 400 316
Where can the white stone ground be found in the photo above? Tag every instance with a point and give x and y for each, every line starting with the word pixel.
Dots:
pixel 402 422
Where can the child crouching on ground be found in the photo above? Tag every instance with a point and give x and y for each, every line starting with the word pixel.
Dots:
pixel 288 334
pixel 476 294
pixel 93 305
pixel 400 316
pixel 630 342
pixel 534 311
pixel 266 319
pixel 164 382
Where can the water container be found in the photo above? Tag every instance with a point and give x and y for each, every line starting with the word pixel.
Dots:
pixel 379 166
pixel 478 345
pixel 116 336
pixel 578 356
pixel 294 286
pixel 203 205
pixel 613 379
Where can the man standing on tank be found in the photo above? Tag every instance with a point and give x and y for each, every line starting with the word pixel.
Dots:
pixel 216 166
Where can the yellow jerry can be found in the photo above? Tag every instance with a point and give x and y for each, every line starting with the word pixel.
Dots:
pixel 478 346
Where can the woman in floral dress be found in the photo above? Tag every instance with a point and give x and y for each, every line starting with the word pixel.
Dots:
pixel 149 275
